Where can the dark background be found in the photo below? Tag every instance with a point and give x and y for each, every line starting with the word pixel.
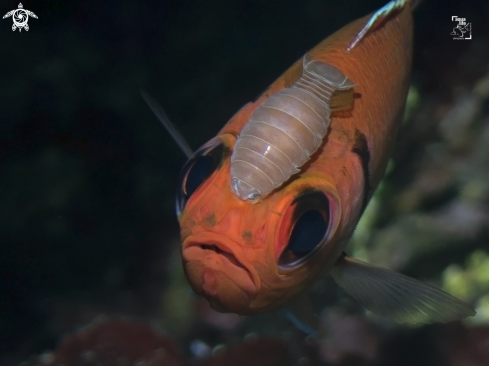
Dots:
pixel 88 175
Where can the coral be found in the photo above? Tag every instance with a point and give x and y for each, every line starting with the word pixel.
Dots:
pixel 115 342
pixel 258 352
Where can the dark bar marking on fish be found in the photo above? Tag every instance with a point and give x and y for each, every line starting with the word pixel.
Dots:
pixel 361 149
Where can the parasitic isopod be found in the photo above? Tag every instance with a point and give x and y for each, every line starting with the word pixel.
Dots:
pixel 283 133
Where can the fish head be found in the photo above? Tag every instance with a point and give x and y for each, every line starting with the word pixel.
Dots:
pixel 250 258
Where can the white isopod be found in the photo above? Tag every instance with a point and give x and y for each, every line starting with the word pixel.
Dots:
pixel 283 132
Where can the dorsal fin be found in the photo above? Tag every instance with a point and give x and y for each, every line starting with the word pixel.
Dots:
pixel 165 121
pixel 378 18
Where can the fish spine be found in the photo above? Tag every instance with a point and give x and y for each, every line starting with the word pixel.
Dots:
pixel 283 132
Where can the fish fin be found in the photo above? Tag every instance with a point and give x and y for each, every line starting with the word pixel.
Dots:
pixel 396 296
pixel 299 312
pixel 378 18
pixel 165 121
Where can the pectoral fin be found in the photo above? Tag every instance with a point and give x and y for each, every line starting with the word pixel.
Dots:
pixel 395 296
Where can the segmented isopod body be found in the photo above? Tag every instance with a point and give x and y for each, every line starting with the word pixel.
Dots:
pixel 283 133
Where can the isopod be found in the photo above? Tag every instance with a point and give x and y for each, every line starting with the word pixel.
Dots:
pixel 283 133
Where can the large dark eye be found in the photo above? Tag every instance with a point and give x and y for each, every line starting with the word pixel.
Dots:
pixel 197 169
pixel 310 223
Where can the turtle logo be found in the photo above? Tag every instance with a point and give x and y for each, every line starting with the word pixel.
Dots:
pixel 20 17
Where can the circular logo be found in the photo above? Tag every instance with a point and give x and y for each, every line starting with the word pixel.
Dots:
pixel 20 18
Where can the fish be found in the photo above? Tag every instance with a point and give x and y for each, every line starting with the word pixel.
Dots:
pixel 258 230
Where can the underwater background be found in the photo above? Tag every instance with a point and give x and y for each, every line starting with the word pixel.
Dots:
pixel 90 271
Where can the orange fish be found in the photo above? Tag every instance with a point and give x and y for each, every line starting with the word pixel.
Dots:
pixel 267 206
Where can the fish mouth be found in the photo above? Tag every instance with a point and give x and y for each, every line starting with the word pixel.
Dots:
pixel 225 253
pixel 216 260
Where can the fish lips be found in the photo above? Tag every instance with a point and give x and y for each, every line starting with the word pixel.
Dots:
pixel 216 272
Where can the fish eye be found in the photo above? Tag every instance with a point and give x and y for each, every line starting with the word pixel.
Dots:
pixel 310 219
pixel 197 169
